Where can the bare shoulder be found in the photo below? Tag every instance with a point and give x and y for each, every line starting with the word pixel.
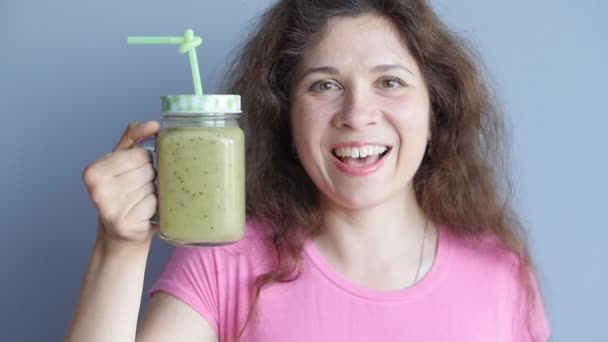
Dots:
pixel 169 319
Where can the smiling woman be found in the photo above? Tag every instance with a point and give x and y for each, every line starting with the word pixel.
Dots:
pixel 371 99
pixel 377 194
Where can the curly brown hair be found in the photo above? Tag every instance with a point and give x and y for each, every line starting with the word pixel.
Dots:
pixel 464 184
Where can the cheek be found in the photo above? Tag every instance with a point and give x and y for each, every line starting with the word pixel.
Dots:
pixel 309 121
pixel 410 117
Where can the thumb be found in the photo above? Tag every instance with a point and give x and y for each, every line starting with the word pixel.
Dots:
pixel 136 131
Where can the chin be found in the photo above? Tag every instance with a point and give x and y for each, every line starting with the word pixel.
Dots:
pixel 357 200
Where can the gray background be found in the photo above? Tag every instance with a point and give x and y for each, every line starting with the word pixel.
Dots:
pixel 69 84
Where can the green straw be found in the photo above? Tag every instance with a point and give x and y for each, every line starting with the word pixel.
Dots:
pixel 187 43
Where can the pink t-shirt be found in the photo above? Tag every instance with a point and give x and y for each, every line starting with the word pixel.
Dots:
pixel 470 294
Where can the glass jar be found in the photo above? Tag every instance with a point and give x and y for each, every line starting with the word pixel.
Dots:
pixel 201 170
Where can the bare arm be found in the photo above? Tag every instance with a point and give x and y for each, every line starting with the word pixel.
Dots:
pixel 110 297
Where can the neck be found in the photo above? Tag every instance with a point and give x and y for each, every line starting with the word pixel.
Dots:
pixel 378 236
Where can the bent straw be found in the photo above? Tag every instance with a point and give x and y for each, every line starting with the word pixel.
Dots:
pixel 187 43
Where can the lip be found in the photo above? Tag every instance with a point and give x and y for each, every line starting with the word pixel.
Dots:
pixel 359 171
pixel 358 144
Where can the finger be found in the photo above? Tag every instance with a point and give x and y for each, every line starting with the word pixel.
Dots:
pixel 145 209
pixel 132 180
pixel 136 131
pixel 136 197
pixel 122 161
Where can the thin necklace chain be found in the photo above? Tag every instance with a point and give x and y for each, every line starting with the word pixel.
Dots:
pixel 426 227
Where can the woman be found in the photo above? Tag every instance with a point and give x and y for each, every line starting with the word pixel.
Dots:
pixel 378 200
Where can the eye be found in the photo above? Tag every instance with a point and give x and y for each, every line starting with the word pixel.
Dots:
pixel 322 86
pixel 391 83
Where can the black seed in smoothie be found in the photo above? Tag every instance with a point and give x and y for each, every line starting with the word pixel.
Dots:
pixel 212 228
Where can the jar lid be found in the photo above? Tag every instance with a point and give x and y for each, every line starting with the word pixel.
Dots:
pixel 185 104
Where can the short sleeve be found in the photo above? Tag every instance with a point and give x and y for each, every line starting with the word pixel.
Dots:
pixel 191 275
pixel 532 326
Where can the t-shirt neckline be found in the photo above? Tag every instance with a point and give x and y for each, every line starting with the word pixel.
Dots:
pixel 416 291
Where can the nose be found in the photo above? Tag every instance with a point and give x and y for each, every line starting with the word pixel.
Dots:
pixel 357 111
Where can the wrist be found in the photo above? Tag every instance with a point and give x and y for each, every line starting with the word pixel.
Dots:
pixel 107 246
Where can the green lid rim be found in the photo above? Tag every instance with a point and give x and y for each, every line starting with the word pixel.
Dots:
pixel 224 104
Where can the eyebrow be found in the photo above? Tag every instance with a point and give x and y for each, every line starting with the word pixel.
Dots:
pixel 322 70
pixel 377 69
pixel 388 67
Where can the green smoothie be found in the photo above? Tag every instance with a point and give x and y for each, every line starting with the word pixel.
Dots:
pixel 201 185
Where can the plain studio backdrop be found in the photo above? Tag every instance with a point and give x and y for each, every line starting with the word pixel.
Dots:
pixel 69 84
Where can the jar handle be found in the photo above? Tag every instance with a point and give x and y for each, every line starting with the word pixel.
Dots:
pixel 149 143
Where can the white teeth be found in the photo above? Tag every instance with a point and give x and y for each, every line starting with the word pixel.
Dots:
pixel 360 152
pixel 364 152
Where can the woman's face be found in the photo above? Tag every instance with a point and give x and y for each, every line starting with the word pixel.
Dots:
pixel 360 113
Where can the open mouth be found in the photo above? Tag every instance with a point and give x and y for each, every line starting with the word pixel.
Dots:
pixel 360 157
